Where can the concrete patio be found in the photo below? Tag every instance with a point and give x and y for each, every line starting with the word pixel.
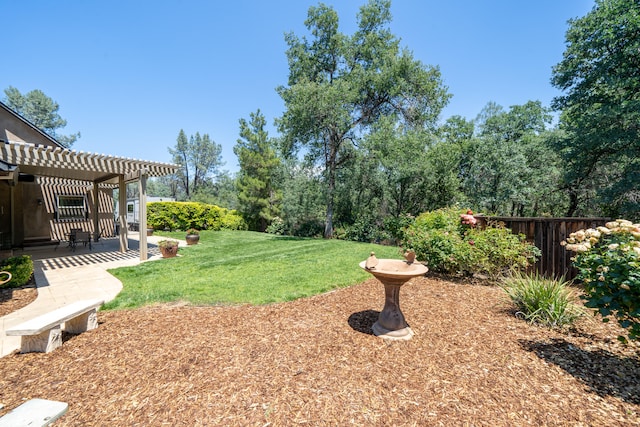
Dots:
pixel 64 276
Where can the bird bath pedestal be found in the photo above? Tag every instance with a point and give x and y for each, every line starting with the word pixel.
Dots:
pixel 393 273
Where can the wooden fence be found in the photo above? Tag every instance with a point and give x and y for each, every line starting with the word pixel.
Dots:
pixel 546 234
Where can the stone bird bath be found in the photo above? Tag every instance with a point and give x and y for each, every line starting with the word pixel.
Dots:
pixel 393 273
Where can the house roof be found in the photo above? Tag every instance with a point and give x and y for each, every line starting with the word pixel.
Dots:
pixel 45 136
pixel 26 149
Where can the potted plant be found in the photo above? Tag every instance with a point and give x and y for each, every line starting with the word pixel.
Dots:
pixel 193 236
pixel 150 231
pixel 168 248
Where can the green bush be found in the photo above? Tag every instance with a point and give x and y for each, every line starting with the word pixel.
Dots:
pixel 21 269
pixel 309 228
pixel 185 215
pixel 546 302
pixel 436 239
pixel 608 263
pixel 276 227
pixel 396 226
pixel 364 229
pixel 232 220
pixel 447 245
pixel 495 250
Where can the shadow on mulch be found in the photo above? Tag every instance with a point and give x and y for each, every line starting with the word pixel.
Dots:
pixel 363 321
pixel 605 373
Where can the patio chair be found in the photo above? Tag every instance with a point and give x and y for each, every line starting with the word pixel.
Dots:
pixel 83 237
pixel 72 236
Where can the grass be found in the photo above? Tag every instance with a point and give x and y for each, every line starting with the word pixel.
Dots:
pixel 547 302
pixel 234 267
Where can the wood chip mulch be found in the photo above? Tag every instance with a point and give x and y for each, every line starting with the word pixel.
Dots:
pixel 315 362
pixel 13 299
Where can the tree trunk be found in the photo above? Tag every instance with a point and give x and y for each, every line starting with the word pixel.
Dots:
pixel 573 203
pixel 328 225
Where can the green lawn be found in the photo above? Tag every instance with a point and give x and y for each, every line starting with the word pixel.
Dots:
pixel 232 267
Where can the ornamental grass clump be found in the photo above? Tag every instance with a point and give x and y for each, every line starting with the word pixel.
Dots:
pixel 608 263
pixel 542 301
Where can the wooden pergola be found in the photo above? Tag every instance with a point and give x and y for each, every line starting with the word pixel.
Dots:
pixel 88 169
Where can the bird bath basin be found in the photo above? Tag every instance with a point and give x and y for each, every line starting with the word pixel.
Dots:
pixel 393 273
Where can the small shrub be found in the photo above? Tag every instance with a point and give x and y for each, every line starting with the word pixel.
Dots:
pixel 436 239
pixel 364 229
pixel 449 242
pixel 276 227
pixel 21 269
pixel 309 228
pixel 546 302
pixel 496 250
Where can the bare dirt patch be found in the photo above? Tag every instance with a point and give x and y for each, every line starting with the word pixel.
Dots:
pixel 315 362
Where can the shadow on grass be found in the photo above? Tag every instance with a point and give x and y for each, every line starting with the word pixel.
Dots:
pixel 605 373
pixel 363 321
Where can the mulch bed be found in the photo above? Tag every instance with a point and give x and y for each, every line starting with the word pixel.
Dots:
pixel 315 362
pixel 13 299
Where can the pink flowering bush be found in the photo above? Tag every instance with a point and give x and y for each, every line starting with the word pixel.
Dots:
pixel 468 219
pixel 608 263
pixel 450 242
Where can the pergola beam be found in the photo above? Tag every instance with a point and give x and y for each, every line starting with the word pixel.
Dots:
pixel 67 165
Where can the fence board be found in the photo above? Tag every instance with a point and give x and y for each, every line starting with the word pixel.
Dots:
pixel 546 234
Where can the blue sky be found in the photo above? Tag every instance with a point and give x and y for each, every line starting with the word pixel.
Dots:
pixel 130 74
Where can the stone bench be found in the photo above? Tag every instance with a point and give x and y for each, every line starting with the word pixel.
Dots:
pixel 35 412
pixel 44 333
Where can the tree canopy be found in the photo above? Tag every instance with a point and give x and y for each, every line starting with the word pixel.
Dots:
pixel 199 159
pixel 340 86
pixel 258 197
pixel 600 75
pixel 40 110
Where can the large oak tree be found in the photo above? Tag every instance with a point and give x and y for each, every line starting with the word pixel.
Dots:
pixel 600 75
pixel 340 85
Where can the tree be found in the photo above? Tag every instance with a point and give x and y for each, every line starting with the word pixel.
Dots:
pixel 199 159
pixel 225 191
pixel 205 158
pixel 600 75
pixel 402 157
pixel 302 198
pixel 258 197
pixel 511 170
pixel 40 110
pixel 180 155
pixel 339 86
pixel 159 187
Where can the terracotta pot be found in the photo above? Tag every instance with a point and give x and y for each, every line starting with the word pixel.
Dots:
pixel 149 231
pixel 169 251
pixel 192 239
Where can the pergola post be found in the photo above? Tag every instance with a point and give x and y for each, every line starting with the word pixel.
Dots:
pixel 122 214
pixel 96 212
pixel 142 186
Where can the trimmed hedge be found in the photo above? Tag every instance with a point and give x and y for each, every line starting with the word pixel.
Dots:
pixel 184 215
pixel 21 269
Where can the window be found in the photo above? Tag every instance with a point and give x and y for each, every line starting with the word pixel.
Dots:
pixel 71 207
